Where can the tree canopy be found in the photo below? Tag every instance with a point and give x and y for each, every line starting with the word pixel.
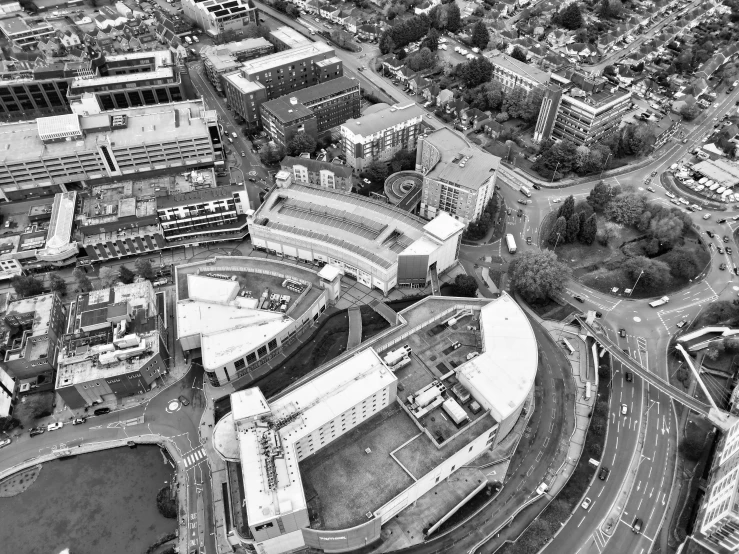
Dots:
pixel 57 284
pixel 538 274
pixel 26 285
pixel 465 285
pixel 143 268
pixel 301 142
pixel 480 35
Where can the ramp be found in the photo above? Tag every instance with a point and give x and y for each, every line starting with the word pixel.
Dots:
pixel 385 311
pixel 355 328
pixel 435 286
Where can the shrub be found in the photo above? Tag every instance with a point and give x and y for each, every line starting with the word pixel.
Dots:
pixel 167 502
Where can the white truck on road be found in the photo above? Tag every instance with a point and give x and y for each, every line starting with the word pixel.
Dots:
pixel 663 300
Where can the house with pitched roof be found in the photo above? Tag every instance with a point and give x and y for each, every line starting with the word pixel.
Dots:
pixel 418 83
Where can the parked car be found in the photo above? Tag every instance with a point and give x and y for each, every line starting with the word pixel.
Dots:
pixel 726 239
pixel 54 426
pixel 184 401
pixel 520 213
pixel 707 216
pixel 102 411
pixel 720 250
pixel 79 420
pixel 711 234
pixel 682 323
pixel 528 240
pixel 537 187
pixel 722 267
pixel 650 189
pixel 37 431
pixel 729 251
pixel 5 442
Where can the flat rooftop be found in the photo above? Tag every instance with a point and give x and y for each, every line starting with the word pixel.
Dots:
pixel 374 230
pixel 62 219
pixel 723 172
pixel 40 305
pixel 459 161
pixel 525 70
pixel 163 69
pixel 224 55
pixel 389 117
pixel 286 111
pixel 243 84
pixel 290 37
pixel 278 59
pixel 197 196
pixel 20 141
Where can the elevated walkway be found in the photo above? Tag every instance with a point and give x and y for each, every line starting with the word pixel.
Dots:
pixel 355 328
pixel 385 311
pixel 435 286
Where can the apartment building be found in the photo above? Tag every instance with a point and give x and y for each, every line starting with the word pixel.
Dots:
pixel 458 177
pixel 580 109
pixel 277 75
pixel 287 38
pixel 381 132
pixel 53 151
pixel 35 327
pixel 133 80
pixel 514 74
pixel 226 58
pixel 305 171
pixel 313 110
pixel 26 33
pixel 209 214
pixel 217 17
pixel 117 346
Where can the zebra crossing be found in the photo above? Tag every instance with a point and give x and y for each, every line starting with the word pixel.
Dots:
pixel 194 457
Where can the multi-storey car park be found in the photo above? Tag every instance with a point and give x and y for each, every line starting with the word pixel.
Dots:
pixel 52 152
pixel 330 461
pixel 377 244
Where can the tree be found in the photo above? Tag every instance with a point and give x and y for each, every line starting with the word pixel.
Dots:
pixel 272 154
pixel 26 285
pixel 692 446
pixel 301 142
pixel 567 208
pixel 653 274
pixel 57 284
pixel 465 285
pixel 475 72
pixel 570 17
pixel 609 70
pixel 493 92
pixel 538 274
pixel 667 230
pixel 480 35
pixel 108 277
pixel 83 281
pixel 432 40
pixel 453 17
pixel 386 43
pixel 559 231
pixel 690 111
pixel 573 228
pixel 611 232
pixel 519 54
pixel 142 267
pixel 125 275
pixel 252 30
pixel 626 208
pixel 600 196
pixel 423 59
pixel 403 160
pixel 589 230
pixel 683 375
pixel 559 510
pixel 375 171
pixel 559 157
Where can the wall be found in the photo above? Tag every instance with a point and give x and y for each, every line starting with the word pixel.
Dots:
pixel 346 539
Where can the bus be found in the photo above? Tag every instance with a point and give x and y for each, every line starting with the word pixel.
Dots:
pixel 511 243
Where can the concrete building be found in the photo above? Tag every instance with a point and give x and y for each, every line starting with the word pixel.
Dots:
pixel 580 109
pixel 132 80
pixel 313 110
pixel 8 393
pixel 286 38
pixel 36 325
pixel 458 177
pixel 352 436
pixel 377 244
pixel 54 151
pixel 514 74
pixel 60 249
pixel 117 346
pixel 380 134
pixel 306 171
pixel 223 309
pixel 207 214
pixel 220 59
pixel 219 17
pixel 278 75
pixel 24 32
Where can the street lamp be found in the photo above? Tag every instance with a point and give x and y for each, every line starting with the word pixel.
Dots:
pixel 555 172
pixel 637 280
pixel 604 166
pixel 556 242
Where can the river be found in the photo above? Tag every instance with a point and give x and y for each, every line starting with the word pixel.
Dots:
pixel 99 502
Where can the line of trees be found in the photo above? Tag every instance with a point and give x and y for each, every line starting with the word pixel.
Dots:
pixel 574 224
pixel 478 229
pixel 445 17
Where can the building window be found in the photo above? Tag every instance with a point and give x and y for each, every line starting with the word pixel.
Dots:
pixel 239 364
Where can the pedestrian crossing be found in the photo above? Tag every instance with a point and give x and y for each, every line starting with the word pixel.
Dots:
pixel 194 457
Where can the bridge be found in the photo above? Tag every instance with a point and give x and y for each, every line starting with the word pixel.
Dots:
pixel 718 417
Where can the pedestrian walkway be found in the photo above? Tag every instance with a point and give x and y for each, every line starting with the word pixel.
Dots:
pixel 385 311
pixel 355 328
pixel 194 457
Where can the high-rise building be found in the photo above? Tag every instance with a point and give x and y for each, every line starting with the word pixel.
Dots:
pixel 313 110
pixel 226 58
pixel 380 133
pixel 54 151
pixel 458 177
pixel 219 17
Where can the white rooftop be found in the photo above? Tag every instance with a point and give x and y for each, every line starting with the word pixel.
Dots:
pixel 58 127
pixel 248 403
pixel 443 226
pixel 242 83
pixel 6 397
pixel 287 56
pixel 329 272
pixel 211 289
pixel 62 218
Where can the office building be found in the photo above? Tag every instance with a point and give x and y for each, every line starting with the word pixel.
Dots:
pixel 117 346
pixel 207 214
pixel 277 75
pixel 377 244
pixel 226 58
pixel 380 133
pixel 286 38
pixel 514 74
pixel 35 327
pixel 133 80
pixel 54 151
pixel 458 177
pixel 26 33
pixel 221 17
pixel 580 109
pixel 326 465
pixel 241 312
pixel 313 110
pixel 306 171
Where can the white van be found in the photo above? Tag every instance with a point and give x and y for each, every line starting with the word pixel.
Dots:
pixel 188 40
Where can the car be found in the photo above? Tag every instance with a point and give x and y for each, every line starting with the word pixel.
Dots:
pixel 5 442
pixel 726 239
pixel 603 474
pixel 37 431
pixel 668 194
pixel 719 250
pixel 729 251
pixel 650 189
pixel 528 240
pixel 637 525
pixel 707 216
pixel 622 333
pixel 629 377
pixel 366 181
pixel 598 314
pixel 682 323
pixel 578 298
pixel 711 234
pixel 102 411
pixel 520 213
pixel 722 220
pixel 184 401
pixel 541 489
pixel 54 426
pixel 556 200
pixel 79 420
pixel 647 180
pixel 522 201
pixel 509 211
pixel 537 187
pixel 586 503
pixel 624 409
pixel 243 154
pixel 654 173
pixel 722 267
pixel 683 201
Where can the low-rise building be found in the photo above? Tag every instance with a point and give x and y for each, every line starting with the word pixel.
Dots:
pixel 305 171
pixel 217 17
pixel 379 135
pixel 458 177
pixel 35 328
pixel 313 110
pixel 286 38
pixel 225 58
pixel 26 33
pixel 8 392
pixel 117 346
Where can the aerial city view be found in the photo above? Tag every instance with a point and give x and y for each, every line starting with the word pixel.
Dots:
pixel 372 276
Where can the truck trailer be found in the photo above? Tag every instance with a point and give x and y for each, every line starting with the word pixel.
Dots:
pixel 397 355
pixel 454 411
pixel 663 300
